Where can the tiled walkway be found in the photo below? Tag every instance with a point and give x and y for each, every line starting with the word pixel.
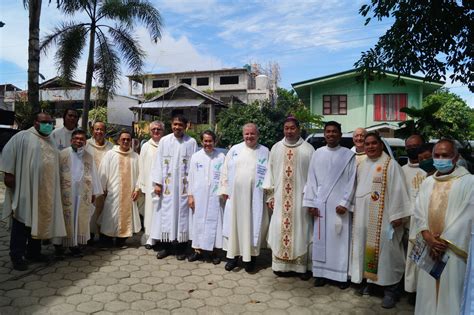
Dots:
pixel 133 281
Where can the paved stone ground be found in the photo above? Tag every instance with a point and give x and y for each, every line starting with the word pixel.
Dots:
pixel 133 281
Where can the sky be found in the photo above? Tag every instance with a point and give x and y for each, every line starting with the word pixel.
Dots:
pixel 307 38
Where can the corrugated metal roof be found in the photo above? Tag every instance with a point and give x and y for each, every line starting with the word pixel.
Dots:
pixel 176 103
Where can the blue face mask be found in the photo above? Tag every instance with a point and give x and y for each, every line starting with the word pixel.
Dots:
pixel 46 128
pixel 443 165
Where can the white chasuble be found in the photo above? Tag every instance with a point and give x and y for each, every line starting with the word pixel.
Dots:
pixel 380 198
pixel 118 175
pixel 97 151
pixel 36 198
pixel 79 182
pixel 147 160
pixel 290 229
pixel 62 137
pixel 445 205
pixel 414 176
pixel 245 215
pixel 171 221
pixel 204 176
pixel 331 183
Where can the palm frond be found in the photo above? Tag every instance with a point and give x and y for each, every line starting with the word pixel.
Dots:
pixel 58 31
pixel 129 48
pixel 107 66
pixel 126 11
pixel 70 45
pixel 72 7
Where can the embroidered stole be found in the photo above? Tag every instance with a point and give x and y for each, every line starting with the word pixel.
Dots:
pixel 288 201
pixel 376 208
pixel 77 223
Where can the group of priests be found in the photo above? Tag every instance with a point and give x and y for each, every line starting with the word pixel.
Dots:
pixel 339 215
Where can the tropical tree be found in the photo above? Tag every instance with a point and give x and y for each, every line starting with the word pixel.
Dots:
pixel 108 35
pixel 34 13
pixel 431 37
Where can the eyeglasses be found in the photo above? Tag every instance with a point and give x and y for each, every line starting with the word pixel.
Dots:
pixel 156 129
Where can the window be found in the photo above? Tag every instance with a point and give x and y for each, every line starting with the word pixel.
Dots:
pixel 233 79
pixel 334 104
pixel 387 107
pixel 202 81
pixel 185 80
pixel 161 83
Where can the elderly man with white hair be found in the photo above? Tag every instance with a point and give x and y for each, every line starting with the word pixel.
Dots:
pixel 245 215
pixel 358 137
pixel 146 162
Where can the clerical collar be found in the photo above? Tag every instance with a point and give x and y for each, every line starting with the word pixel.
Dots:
pixel 414 165
pixel 117 149
pixel 360 153
pixel 95 144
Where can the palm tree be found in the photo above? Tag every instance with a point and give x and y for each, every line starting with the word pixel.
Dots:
pixel 107 43
pixel 34 13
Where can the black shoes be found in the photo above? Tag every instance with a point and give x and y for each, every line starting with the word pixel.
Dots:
pixel 319 282
pixel 250 266
pixel 163 253
pixel 20 264
pixel 305 276
pixel 344 285
pixel 231 264
pixel 194 256
pixel 216 260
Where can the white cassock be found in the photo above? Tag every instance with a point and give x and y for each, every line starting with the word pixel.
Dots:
pixel 331 183
pixel 245 215
pixel 289 233
pixel 414 176
pixel 380 198
pixel 147 160
pixel 118 175
pixel 62 137
pixel 171 220
pixel 97 151
pixel 204 176
pixel 79 182
pixel 445 205
pixel 36 198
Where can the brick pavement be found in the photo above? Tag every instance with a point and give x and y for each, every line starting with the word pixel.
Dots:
pixel 133 281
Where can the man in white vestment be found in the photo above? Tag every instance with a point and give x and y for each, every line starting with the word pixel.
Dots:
pixel 204 200
pixel 62 136
pixel 289 233
pixel 33 196
pixel 443 214
pixel 382 206
pixel 147 159
pixel 80 185
pixel 169 175
pixel 245 215
pixel 328 196
pixel 119 178
pixel 414 176
pixel 358 137
pixel 97 146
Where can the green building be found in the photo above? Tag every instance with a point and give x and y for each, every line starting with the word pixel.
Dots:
pixel 354 102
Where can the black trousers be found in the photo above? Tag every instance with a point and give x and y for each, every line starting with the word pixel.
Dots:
pixel 21 243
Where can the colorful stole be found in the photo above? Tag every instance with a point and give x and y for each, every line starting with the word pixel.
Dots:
pixel 376 207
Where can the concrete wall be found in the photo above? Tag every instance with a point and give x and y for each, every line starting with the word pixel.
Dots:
pixel 118 111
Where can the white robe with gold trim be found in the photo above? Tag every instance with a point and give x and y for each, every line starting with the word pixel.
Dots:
pixel 457 229
pixel 36 198
pixel 118 175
